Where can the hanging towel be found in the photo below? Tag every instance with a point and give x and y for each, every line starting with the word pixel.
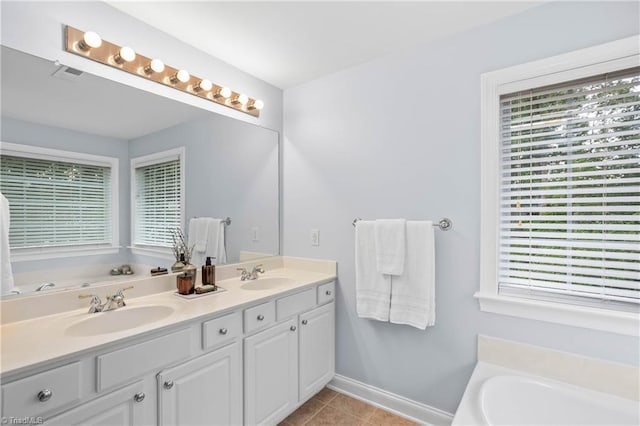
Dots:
pixel 390 246
pixel 413 292
pixel 199 233
pixel 373 289
pixel 213 241
pixel 6 274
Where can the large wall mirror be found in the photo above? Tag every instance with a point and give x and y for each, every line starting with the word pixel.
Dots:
pixel 98 174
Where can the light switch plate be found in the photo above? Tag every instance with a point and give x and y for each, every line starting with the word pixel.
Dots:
pixel 315 237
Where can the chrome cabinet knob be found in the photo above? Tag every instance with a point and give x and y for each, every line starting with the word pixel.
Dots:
pixel 223 331
pixel 292 328
pixel 168 384
pixel 44 395
pixel 328 292
pixel 260 317
pixel 305 322
pixel 139 397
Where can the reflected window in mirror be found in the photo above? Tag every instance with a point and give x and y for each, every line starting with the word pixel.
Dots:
pixel 60 202
pixel 157 199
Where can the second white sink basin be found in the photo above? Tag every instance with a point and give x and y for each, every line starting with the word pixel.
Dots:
pixel 118 320
pixel 267 283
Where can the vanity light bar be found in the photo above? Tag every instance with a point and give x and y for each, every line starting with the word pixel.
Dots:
pixel 90 45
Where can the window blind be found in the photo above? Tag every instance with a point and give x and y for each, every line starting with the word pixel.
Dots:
pixel 570 192
pixel 157 203
pixel 55 203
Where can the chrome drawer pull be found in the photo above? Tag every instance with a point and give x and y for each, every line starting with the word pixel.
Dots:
pixel 292 328
pixel 260 317
pixel 305 322
pixel 168 384
pixel 139 397
pixel 223 331
pixel 328 293
pixel 44 395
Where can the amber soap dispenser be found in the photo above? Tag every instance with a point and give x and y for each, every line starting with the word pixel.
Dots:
pixel 209 273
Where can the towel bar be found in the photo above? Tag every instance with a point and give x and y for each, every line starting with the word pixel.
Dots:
pixel 444 224
pixel 226 221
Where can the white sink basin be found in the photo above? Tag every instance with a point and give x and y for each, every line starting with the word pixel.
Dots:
pixel 267 283
pixel 118 320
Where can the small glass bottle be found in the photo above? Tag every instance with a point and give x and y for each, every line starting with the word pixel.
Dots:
pixel 209 273
pixel 179 265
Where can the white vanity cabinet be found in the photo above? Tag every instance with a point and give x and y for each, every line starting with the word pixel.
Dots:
pixel 251 364
pixel 288 363
pixel 271 374
pixel 204 391
pixel 124 407
pixel 317 349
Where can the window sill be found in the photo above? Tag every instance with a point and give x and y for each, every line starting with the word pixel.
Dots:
pixel 627 323
pixel 159 252
pixel 25 255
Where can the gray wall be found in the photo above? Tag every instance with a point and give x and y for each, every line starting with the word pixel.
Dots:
pixel 231 170
pixel 26 133
pixel 399 137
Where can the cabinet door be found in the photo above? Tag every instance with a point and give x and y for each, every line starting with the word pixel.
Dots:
pixel 271 374
pixel 317 349
pixel 122 407
pixel 204 391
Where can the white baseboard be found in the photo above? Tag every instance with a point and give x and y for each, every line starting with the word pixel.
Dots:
pixel 412 410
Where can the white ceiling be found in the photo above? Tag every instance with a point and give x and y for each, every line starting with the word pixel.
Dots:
pixel 289 43
pixel 88 104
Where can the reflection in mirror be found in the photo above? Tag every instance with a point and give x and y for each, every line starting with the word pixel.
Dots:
pixel 97 175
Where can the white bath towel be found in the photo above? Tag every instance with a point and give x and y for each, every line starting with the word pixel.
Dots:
pixel 373 289
pixel 6 274
pixel 390 246
pixel 413 292
pixel 214 242
pixel 199 233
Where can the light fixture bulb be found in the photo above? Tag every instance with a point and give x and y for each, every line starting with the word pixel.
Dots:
pixel 126 54
pixel 258 104
pixel 225 92
pixel 243 99
pixel 183 76
pixel 156 65
pixel 90 40
pixel 203 84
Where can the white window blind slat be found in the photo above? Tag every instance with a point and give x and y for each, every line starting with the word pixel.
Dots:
pixel 570 192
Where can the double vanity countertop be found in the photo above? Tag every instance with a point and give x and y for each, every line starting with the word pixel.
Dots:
pixel 29 342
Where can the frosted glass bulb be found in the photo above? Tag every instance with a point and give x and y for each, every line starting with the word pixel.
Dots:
pixel 243 99
pixel 156 65
pixel 90 40
pixel 183 76
pixel 258 104
pixel 127 53
pixel 205 85
pixel 225 92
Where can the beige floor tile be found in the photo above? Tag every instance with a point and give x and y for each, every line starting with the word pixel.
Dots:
pixel 384 418
pixel 325 395
pixel 304 413
pixel 329 415
pixel 352 406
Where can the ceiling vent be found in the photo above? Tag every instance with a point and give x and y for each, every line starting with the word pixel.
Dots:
pixel 67 73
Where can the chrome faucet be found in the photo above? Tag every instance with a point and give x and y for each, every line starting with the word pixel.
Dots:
pixel 113 302
pixel 45 286
pixel 253 275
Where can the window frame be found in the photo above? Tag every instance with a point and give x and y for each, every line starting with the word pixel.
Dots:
pixel 58 155
pixel 148 160
pixel 608 57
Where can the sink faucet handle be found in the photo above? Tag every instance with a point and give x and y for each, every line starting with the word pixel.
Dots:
pixel 96 303
pixel 94 297
pixel 259 268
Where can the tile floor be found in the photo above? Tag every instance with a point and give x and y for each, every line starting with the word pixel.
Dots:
pixel 329 407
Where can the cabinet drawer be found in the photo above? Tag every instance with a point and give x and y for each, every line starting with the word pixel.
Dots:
pixel 326 292
pixel 221 329
pixel 259 316
pixel 294 304
pixel 28 396
pixel 129 363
